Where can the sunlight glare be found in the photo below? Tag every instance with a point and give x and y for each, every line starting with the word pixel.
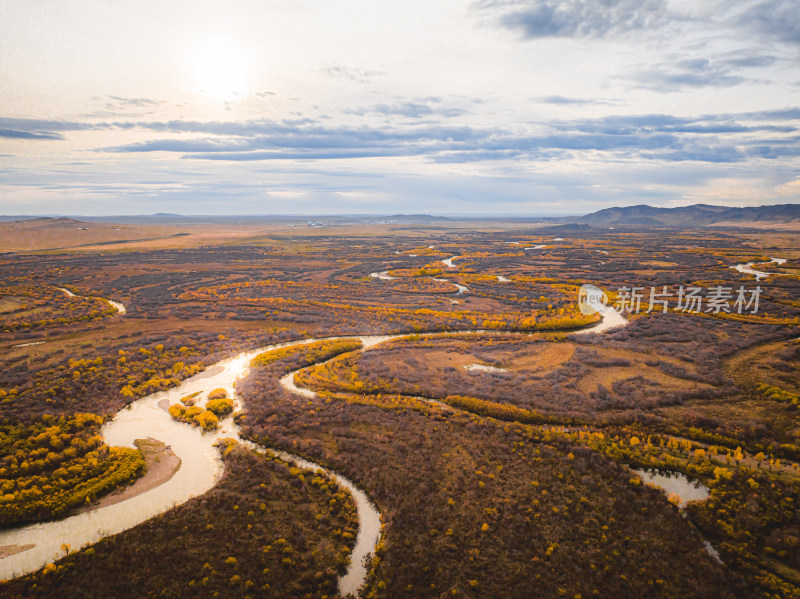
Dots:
pixel 220 70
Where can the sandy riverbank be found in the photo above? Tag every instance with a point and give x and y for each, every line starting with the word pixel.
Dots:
pixel 161 463
pixel 7 550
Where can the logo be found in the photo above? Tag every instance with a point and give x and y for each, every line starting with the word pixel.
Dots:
pixel 591 299
pixel 634 300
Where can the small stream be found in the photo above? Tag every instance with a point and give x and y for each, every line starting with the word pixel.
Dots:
pixel 120 308
pixel 759 274
pixel 449 262
pixel 611 320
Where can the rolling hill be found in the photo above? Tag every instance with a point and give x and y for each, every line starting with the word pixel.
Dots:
pixel 697 215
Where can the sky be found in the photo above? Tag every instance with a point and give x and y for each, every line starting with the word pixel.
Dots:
pixel 376 107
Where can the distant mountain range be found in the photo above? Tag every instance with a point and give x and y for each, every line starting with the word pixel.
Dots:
pixel 781 216
pixel 698 215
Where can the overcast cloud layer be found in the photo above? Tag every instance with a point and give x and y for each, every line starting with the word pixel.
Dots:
pixel 494 106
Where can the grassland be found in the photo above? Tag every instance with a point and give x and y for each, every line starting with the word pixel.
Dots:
pixel 510 482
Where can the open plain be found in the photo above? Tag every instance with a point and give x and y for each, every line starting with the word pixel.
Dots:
pixel 447 373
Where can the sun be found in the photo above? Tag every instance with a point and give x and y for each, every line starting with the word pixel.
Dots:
pixel 220 70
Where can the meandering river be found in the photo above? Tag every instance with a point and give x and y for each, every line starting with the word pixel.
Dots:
pixel 201 468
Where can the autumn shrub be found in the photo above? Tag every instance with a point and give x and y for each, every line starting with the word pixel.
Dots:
pixel 194 415
pixel 310 352
pixel 56 464
pixel 752 519
pixel 220 407
pixel 559 517
pixel 281 533
pixel 102 383
pixel 49 307
pixel 207 419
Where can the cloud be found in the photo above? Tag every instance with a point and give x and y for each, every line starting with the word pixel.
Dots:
pixel 699 153
pixel 665 123
pixel 786 114
pixel 747 60
pixel 42 125
pixel 679 74
pixel 535 19
pixel 120 106
pixel 731 138
pixel 136 186
pixel 413 109
pixel 307 154
pixel 119 101
pixel 571 101
pixel 38 129
pixel 696 72
pixel 357 75
pixel 715 138
pixel 15 134
pixel 789 189
pixel 263 140
pixel 774 19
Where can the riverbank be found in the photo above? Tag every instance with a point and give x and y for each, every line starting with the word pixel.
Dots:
pixel 161 463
